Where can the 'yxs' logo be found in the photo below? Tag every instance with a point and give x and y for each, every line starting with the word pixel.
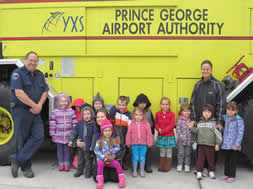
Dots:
pixel 71 23
pixel 77 23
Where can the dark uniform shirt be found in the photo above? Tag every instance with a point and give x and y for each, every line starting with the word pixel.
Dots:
pixel 208 92
pixel 34 86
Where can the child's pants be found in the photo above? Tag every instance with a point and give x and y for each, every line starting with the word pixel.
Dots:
pixel 63 154
pixel 205 152
pixel 84 160
pixel 139 153
pixel 166 152
pixel 230 159
pixel 113 163
pixel 184 154
pixel 148 159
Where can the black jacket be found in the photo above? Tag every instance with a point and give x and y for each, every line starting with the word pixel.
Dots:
pixel 208 92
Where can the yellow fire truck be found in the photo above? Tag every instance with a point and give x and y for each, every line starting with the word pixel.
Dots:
pixel 126 47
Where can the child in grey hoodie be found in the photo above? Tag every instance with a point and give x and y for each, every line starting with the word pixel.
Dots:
pixel 208 139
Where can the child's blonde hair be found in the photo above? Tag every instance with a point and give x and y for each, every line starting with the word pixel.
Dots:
pixel 63 97
pixel 139 110
pixel 184 107
pixel 164 98
pixel 112 141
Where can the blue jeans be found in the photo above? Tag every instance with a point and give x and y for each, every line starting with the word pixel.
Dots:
pixel 28 135
pixel 139 153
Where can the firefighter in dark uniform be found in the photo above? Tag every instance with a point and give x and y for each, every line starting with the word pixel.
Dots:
pixel 29 91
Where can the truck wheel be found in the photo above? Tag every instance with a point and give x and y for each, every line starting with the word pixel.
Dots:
pixel 248 130
pixel 6 125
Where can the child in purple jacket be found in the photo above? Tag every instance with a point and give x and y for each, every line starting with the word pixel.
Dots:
pixel 185 139
pixel 232 139
pixel 62 121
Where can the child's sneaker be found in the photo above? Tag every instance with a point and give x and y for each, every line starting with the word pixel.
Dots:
pixel 205 172
pixel 66 167
pixel 199 176
pixel 230 179
pixel 224 177
pixel 61 168
pixel 179 168
pixel 187 169
pixel 212 175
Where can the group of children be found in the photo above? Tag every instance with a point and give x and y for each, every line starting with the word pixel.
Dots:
pixel 103 136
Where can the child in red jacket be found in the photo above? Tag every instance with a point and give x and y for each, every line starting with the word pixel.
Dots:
pixel 139 136
pixel 164 124
pixel 76 106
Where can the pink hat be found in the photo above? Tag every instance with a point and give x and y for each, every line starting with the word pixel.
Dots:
pixel 105 124
pixel 78 102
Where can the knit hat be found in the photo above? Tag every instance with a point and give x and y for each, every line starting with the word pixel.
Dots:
pixel 97 98
pixel 105 124
pixel 142 98
pixel 87 106
pixel 209 107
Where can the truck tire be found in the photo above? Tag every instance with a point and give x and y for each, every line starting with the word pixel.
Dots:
pixel 6 124
pixel 248 130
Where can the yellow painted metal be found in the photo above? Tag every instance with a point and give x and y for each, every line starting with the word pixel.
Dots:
pixel 79 87
pixel 251 30
pixel 6 126
pixel 158 67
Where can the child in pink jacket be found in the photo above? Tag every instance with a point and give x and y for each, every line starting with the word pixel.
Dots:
pixel 139 136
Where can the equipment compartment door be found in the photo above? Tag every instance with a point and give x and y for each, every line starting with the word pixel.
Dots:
pixel 152 87
pixel 78 88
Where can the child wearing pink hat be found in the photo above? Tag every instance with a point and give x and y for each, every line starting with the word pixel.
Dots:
pixel 106 148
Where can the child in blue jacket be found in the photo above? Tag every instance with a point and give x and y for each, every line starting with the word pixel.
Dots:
pixel 232 139
pixel 84 137
pixel 106 148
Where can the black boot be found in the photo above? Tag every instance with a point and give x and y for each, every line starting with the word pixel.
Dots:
pixel 14 167
pixel 148 161
pixel 78 173
pixel 29 173
pixel 80 163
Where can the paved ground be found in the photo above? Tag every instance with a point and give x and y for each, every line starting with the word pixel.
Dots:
pixel 48 177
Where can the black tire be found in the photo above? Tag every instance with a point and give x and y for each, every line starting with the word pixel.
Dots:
pixel 7 148
pixel 248 130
